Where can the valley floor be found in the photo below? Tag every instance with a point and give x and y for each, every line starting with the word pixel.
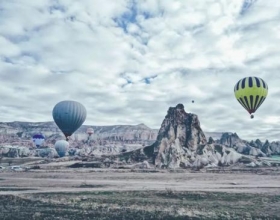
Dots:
pixel 134 194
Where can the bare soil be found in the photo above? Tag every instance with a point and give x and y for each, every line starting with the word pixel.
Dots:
pixel 138 194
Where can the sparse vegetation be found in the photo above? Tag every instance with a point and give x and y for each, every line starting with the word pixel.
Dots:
pixel 136 205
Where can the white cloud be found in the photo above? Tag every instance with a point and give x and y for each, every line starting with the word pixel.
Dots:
pixel 129 61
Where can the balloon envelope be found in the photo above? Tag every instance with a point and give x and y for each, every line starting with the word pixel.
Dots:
pixel 61 147
pixel 251 92
pixel 69 116
pixel 38 139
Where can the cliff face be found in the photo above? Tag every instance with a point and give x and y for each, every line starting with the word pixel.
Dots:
pixel 181 126
pixel 20 133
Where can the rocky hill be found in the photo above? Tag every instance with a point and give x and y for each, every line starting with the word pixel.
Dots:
pixel 254 148
pixel 20 133
pixel 182 143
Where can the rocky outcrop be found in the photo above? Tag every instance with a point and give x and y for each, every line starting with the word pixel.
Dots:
pixel 17 151
pixel 182 126
pixel 258 143
pixel 213 155
pixel 275 147
pixel 266 148
pixel 182 143
pixel 179 135
pixel 253 148
pixel 232 140
pixel 14 151
pixel 46 152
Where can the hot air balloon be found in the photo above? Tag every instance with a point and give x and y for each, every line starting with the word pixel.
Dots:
pixel 38 139
pixel 69 116
pixel 61 147
pixel 90 131
pixel 192 101
pixel 251 92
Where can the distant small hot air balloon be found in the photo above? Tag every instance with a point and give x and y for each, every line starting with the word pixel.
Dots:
pixel 38 139
pixel 90 131
pixel 69 116
pixel 192 101
pixel 61 147
pixel 251 92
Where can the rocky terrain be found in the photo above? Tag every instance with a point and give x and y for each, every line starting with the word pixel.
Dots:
pixel 16 139
pixel 254 148
pixel 182 143
pixel 179 143
pixel 20 133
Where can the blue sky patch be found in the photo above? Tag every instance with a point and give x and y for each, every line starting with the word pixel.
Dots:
pixel 130 16
pixel 147 80
pixel 247 4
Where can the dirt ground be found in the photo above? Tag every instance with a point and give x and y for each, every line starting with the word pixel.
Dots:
pixel 138 194
pixel 68 180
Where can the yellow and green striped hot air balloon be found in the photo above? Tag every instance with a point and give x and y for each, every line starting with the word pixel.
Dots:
pixel 251 92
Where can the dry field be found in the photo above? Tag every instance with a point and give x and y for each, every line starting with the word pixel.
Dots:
pixel 65 193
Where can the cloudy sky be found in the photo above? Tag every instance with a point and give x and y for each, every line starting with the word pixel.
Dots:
pixel 128 61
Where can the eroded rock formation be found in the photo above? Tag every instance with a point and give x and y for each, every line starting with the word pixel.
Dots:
pixel 182 143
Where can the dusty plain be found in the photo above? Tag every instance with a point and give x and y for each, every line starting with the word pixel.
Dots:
pixel 58 192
